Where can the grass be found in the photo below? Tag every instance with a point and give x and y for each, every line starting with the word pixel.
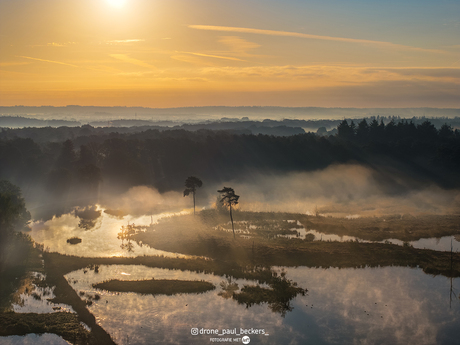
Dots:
pixel 60 265
pixel 196 236
pixel 66 325
pixel 156 287
pixel 67 295
pixel 74 240
pixel 278 297
pixel 404 228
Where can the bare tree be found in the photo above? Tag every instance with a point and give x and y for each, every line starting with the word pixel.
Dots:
pixel 229 199
pixel 191 184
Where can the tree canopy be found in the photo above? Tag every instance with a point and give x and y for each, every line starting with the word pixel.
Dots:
pixel 191 184
pixel 13 212
pixel 229 199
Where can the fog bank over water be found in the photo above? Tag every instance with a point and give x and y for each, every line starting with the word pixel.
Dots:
pixel 340 190
pixel 143 200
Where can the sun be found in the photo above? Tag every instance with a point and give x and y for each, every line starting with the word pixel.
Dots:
pixel 116 3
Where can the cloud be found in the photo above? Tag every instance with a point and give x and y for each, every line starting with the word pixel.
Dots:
pixel 316 37
pixel 55 44
pixel 50 61
pixel 191 58
pixel 331 75
pixel 133 40
pixel 213 56
pixel 237 44
pixel 125 58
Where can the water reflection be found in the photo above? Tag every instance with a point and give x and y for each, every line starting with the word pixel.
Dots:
pixel 391 305
pixel 282 291
pixel 440 244
pixel 100 241
pixel 88 217
pixel 35 339
pixel 33 297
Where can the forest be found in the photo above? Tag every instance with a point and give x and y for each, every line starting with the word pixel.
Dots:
pixel 415 154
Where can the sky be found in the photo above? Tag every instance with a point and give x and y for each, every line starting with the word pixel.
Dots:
pixel 174 53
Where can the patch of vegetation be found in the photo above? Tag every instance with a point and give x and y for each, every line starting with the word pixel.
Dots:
pixel 74 240
pixel 282 291
pixel 66 325
pixel 156 287
pixel 21 257
pixel 228 288
pixel 67 295
pixel 185 234
pixel 59 265
pixel 401 227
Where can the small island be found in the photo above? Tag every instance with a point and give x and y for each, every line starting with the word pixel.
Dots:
pixel 156 287
pixel 74 240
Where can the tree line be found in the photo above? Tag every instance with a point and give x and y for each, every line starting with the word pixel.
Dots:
pixel 162 158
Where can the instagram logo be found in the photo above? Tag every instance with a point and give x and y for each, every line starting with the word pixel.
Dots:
pixel 194 331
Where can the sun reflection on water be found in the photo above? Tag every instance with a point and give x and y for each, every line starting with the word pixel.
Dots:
pixel 101 241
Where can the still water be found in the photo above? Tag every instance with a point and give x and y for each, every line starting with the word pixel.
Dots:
pixel 391 305
pixel 33 339
pixel 441 244
pixel 100 240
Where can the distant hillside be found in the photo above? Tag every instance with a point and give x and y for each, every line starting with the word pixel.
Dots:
pixel 87 114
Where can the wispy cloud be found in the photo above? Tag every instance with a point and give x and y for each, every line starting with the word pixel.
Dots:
pixel 55 44
pixel 50 61
pixel 125 58
pixel 322 76
pixel 212 56
pixel 237 44
pixel 309 36
pixel 133 40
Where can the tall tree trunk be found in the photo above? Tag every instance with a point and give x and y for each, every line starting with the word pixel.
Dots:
pixel 193 203
pixel 231 218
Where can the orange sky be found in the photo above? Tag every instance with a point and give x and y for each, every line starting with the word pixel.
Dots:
pixel 195 53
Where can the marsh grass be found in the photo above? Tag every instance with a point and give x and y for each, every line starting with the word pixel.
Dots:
pixel 401 227
pixel 66 325
pixel 196 236
pixel 156 287
pixel 282 291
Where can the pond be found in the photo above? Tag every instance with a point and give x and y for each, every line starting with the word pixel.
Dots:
pixel 388 305
pixel 99 234
pixel 99 239
pixel 440 244
pixel 391 305
pixel 36 299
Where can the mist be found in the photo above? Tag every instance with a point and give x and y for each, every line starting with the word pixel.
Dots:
pixel 339 190
pixel 143 200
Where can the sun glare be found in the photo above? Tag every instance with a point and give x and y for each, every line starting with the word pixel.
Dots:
pixel 117 3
